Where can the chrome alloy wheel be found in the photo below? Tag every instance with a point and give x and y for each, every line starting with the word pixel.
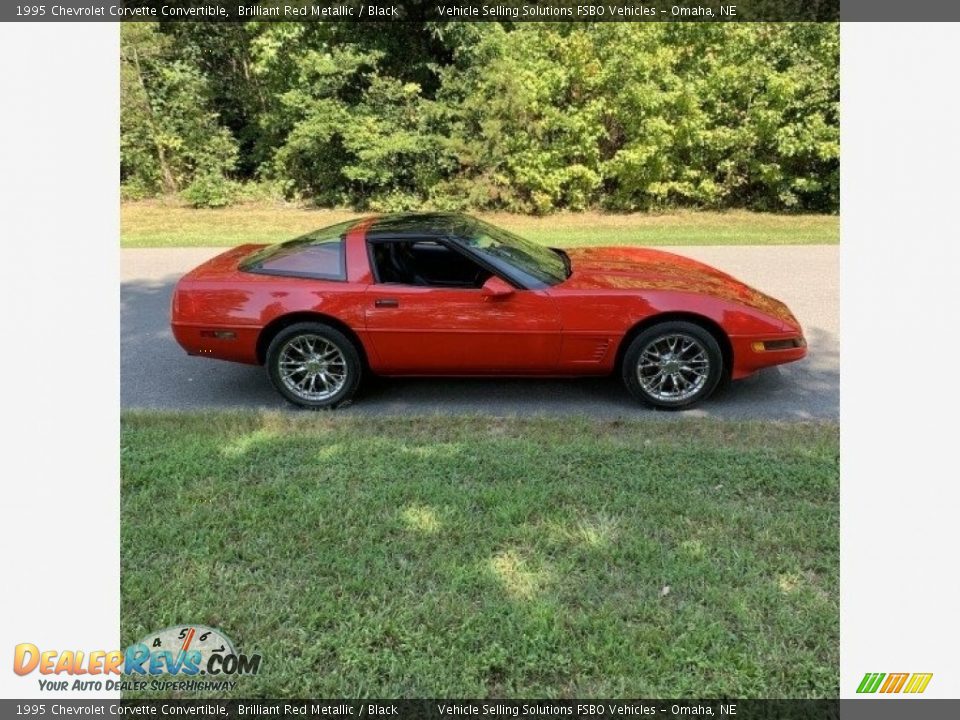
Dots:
pixel 673 368
pixel 312 367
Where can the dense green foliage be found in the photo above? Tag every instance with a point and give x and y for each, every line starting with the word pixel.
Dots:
pixel 528 118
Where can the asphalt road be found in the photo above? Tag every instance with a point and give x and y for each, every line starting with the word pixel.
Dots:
pixel 156 373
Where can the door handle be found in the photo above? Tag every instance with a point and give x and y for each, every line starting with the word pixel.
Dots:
pixel 386 303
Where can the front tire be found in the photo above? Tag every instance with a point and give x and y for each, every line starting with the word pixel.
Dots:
pixel 673 365
pixel 314 365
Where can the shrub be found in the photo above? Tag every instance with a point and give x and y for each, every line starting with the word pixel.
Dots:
pixel 210 190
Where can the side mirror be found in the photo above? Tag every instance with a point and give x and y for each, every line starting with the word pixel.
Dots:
pixel 496 289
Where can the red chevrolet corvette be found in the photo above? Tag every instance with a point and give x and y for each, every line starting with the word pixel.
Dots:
pixel 447 294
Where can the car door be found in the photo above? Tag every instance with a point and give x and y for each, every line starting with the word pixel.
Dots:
pixel 429 329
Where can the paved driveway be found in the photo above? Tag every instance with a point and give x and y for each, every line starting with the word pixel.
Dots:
pixel 156 373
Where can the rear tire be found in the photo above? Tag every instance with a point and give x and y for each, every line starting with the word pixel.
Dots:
pixel 314 365
pixel 672 365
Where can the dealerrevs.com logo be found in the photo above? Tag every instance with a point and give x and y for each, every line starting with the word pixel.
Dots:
pixel 183 652
pixel 889 683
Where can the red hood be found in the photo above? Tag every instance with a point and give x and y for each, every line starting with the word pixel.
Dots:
pixel 629 268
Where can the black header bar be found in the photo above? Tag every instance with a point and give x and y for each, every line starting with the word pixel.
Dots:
pixel 478 10
pixel 422 10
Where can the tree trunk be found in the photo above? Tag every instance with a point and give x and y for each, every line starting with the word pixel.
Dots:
pixel 168 179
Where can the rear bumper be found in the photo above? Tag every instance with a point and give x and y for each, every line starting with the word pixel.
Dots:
pixel 236 344
pixel 755 352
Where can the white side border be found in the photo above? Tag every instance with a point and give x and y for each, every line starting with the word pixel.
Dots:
pixel 59 225
pixel 899 387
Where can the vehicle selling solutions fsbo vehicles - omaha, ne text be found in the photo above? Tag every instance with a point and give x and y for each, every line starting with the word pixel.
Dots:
pixel 447 294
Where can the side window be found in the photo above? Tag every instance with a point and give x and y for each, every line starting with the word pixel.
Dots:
pixel 319 254
pixel 320 260
pixel 425 263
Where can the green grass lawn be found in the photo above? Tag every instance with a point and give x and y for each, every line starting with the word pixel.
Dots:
pixel 475 557
pixel 167 224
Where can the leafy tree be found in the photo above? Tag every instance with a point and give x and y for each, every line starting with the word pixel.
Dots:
pixel 169 139
pixel 635 115
pixel 531 117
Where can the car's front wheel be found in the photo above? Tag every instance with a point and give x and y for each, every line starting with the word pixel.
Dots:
pixel 314 365
pixel 673 364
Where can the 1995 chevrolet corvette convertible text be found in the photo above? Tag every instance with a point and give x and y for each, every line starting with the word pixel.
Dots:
pixel 447 294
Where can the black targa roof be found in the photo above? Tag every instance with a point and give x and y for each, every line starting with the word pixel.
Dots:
pixel 420 224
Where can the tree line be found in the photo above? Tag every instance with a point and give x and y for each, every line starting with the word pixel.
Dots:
pixel 525 117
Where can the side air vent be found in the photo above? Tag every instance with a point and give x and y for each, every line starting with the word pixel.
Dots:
pixel 600 350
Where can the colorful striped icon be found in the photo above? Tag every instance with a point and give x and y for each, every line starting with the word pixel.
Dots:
pixel 894 682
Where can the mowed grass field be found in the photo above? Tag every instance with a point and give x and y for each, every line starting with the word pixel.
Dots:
pixel 157 223
pixel 467 556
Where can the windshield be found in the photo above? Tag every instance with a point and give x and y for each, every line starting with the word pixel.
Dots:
pixel 533 265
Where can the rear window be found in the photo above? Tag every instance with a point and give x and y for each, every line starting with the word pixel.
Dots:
pixel 318 254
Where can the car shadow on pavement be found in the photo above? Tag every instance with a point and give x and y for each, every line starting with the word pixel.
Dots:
pixel 156 373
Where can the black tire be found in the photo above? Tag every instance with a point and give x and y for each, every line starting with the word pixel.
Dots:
pixel 700 367
pixel 288 344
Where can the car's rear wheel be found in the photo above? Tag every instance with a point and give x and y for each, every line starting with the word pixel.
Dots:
pixel 673 364
pixel 314 365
